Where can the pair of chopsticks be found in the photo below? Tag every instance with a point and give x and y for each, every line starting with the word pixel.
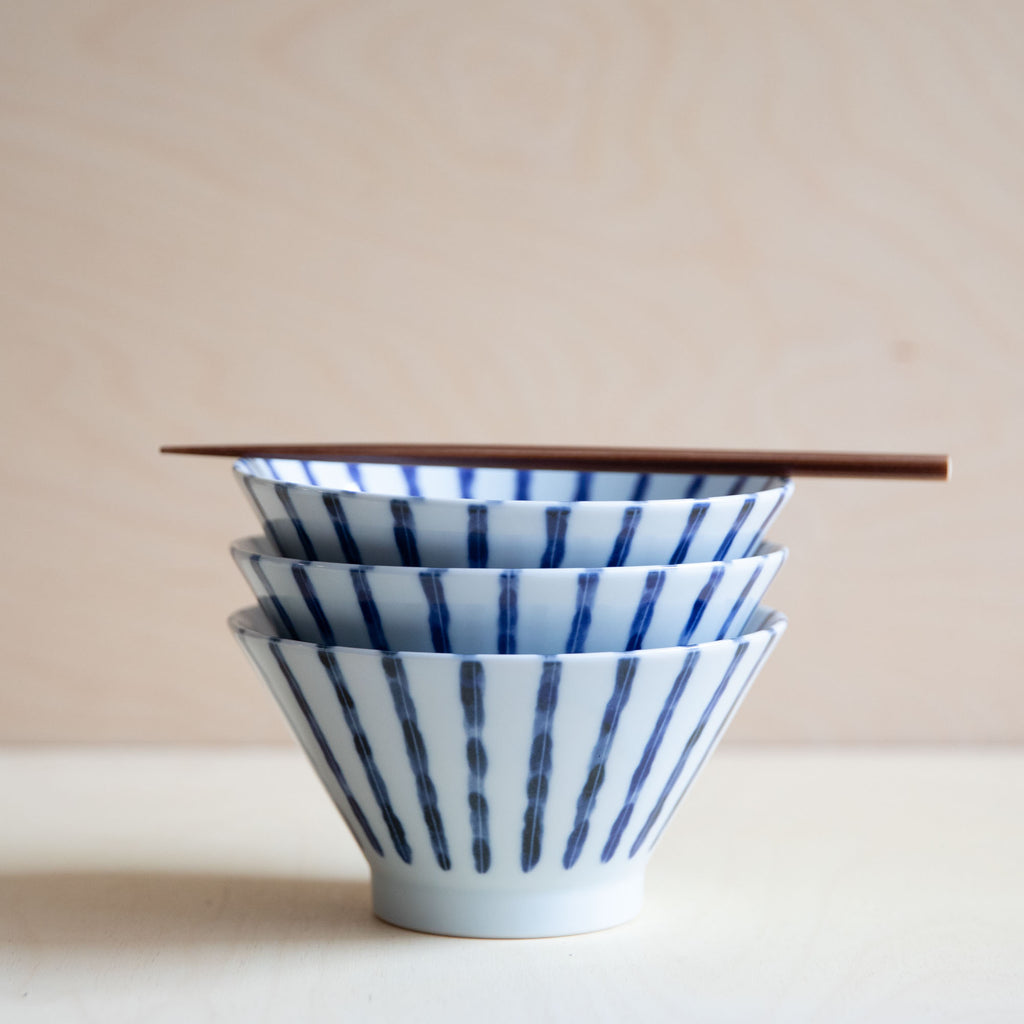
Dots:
pixel 593 459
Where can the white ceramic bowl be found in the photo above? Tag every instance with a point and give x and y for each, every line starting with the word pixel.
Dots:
pixel 449 517
pixel 506 611
pixel 507 795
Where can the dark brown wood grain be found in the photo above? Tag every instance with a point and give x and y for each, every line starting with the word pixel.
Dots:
pixel 900 466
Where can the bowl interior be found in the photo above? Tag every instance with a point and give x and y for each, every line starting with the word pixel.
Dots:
pixel 456 482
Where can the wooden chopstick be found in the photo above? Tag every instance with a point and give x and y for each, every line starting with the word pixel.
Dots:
pixel 634 460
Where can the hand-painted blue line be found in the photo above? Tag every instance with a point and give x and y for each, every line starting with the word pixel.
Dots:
pixel 279 613
pixel 583 482
pixel 309 473
pixel 368 607
pixel 283 496
pixel 701 604
pixel 477 537
pixel 643 481
pixel 693 521
pixel 364 751
pixel 653 586
pixel 557 520
pixel 325 751
pixel 411 483
pixel 356 472
pixel 673 778
pixel 272 469
pixel 438 614
pixel 586 591
pixel 508 611
pixel 471 692
pixel 627 531
pixel 466 474
pixel 268 524
pixel 405 531
pixel 625 671
pixel 416 750
pixel 695 485
pixel 723 551
pixel 312 599
pixel 744 594
pixel 336 512
pixel 524 477
pixel 540 764
pixel 739 485
pixel 643 769
pixel 758 534
pixel 722 725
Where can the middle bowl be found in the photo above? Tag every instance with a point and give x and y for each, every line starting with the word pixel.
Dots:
pixel 506 611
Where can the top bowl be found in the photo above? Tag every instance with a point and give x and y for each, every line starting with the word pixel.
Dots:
pixel 441 516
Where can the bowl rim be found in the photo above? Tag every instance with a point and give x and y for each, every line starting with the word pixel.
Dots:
pixel 772 623
pixel 245 548
pixel 776 485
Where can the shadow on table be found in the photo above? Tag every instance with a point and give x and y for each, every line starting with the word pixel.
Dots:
pixel 140 909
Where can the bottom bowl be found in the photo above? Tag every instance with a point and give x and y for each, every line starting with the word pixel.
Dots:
pixel 507 796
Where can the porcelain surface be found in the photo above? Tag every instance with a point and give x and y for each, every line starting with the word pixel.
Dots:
pixel 450 517
pixel 506 611
pixel 507 795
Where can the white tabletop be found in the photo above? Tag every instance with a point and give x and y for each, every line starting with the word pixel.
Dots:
pixel 219 885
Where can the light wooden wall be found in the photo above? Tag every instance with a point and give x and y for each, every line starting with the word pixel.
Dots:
pixel 786 224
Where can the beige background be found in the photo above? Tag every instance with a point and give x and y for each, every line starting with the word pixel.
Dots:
pixel 773 224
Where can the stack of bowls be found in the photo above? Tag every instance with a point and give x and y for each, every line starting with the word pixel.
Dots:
pixel 506 679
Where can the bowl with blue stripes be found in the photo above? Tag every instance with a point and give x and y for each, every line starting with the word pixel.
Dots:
pixel 506 611
pixel 445 517
pixel 507 795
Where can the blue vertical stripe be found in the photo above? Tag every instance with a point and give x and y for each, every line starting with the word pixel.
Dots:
pixel 693 521
pixel 412 483
pixel 438 615
pixel 316 609
pixel 625 671
pixel 466 474
pixel 653 586
pixel 272 599
pixel 557 521
pixel 281 490
pixel 477 537
pixel 540 764
pixel 739 485
pixel 624 540
pixel 268 524
pixel 700 605
pixel 508 611
pixel 368 607
pixel 309 473
pixel 673 778
pixel 355 471
pixel 416 750
pixel 364 751
pixel 336 512
pixel 643 480
pixel 586 591
pixel 695 485
pixel 714 739
pixel 269 463
pixel 744 594
pixel 471 692
pixel 524 478
pixel 583 482
pixel 767 522
pixel 405 531
pixel 643 769
pixel 723 551
pixel 325 749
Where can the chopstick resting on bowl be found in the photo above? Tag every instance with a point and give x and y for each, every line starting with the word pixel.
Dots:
pixel 896 466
